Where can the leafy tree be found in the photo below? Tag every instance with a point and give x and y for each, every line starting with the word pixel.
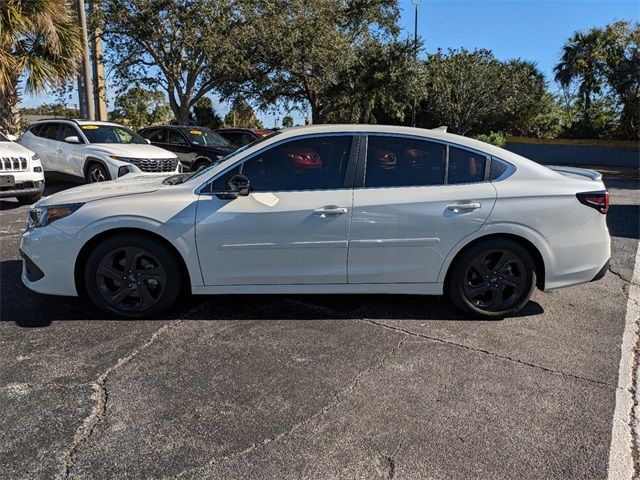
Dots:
pixel 287 121
pixel 310 46
pixel 242 115
pixel 39 40
pixel 204 115
pixel 186 47
pixel 378 84
pixel 622 72
pixel 473 92
pixel 55 109
pixel 139 108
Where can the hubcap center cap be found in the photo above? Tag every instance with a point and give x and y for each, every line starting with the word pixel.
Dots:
pixel 132 278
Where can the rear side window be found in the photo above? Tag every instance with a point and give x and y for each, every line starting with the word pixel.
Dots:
pixel 498 168
pixel 403 162
pixel 49 131
pixel 317 163
pixel 153 135
pixel 465 166
pixel 35 129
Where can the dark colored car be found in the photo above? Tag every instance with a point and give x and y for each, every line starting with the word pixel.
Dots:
pixel 239 137
pixel 196 147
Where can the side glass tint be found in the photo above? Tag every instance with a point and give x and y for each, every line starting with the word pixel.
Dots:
pixel 154 135
pixel 404 162
pixel 49 131
pixel 316 163
pixel 176 138
pixel 465 166
pixel 498 168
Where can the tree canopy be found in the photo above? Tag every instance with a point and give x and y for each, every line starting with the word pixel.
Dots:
pixel 139 108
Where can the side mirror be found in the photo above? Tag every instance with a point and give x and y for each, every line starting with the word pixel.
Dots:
pixel 13 138
pixel 72 139
pixel 148 141
pixel 239 186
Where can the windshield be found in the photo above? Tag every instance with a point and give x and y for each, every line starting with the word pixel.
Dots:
pixel 111 134
pixel 205 137
pixel 177 179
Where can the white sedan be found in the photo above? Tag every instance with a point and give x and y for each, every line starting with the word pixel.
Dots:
pixel 327 209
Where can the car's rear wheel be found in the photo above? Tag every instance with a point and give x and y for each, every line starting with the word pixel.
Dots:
pixel 132 276
pixel 200 164
pixel 29 199
pixel 493 278
pixel 97 173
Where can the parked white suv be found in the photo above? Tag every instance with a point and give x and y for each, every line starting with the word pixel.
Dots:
pixel 95 151
pixel 21 173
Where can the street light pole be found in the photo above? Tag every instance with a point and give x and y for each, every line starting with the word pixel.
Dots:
pixel 87 84
pixel 415 56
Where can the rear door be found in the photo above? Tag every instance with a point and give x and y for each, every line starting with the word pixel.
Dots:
pixel 46 145
pixel 417 199
pixel 292 228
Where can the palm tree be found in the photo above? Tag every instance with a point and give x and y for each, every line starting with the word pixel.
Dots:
pixel 582 59
pixel 39 40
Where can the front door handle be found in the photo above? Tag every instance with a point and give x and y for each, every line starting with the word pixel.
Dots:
pixel 329 210
pixel 463 206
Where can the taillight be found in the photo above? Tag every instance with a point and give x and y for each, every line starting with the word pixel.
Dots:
pixel 598 200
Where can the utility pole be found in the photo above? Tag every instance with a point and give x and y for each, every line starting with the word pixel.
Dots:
pixel 100 89
pixel 87 84
pixel 415 56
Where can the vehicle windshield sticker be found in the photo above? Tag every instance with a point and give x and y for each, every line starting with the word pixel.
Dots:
pixel 90 127
pixel 195 132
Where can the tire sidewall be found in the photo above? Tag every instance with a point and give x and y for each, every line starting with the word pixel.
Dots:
pixel 163 255
pixel 102 168
pixel 455 286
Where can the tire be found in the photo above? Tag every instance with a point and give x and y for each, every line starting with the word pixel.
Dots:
pixel 96 172
pixel 149 285
pixel 199 165
pixel 29 200
pixel 493 279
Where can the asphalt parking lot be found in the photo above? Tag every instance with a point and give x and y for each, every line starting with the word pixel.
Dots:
pixel 314 387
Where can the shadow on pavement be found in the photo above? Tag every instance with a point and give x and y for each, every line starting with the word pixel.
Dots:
pixel 624 221
pixel 31 310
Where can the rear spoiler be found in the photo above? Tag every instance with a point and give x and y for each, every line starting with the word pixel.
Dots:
pixel 583 172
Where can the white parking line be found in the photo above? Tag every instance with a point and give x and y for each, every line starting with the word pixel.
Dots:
pixel 620 455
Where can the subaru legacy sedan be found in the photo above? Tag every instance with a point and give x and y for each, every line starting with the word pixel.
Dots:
pixel 327 209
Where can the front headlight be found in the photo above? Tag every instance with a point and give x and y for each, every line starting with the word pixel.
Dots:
pixel 43 216
pixel 35 158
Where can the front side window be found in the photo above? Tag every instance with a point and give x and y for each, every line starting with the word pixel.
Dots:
pixel 465 166
pixel 70 131
pixel 174 137
pixel 111 134
pixel 316 163
pixel 403 162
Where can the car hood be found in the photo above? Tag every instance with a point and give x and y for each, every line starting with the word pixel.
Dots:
pixel 97 191
pixel 12 149
pixel 132 150
pixel 217 149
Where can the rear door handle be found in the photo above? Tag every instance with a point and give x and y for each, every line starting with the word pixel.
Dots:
pixel 59 151
pixel 463 206
pixel 329 210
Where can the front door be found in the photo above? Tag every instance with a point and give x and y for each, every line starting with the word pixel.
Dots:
pixel 292 228
pixel 420 198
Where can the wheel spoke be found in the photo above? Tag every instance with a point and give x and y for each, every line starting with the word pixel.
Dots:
pixel 119 295
pixel 479 290
pixel 110 272
pixel 513 281
pixel 497 300
pixel 146 299
pixel 479 266
pixel 505 259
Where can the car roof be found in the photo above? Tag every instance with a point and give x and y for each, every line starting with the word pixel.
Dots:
pixel 78 122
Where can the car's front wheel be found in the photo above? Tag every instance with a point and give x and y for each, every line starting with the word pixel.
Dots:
pixel 493 278
pixel 97 173
pixel 132 276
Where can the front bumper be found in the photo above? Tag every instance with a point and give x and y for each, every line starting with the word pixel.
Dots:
pixel 26 184
pixel 55 274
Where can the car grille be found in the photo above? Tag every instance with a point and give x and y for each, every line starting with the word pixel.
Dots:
pixel 155 164
pixel 13 164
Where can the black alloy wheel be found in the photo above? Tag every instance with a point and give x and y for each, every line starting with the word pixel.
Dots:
pixel 132 276
pixel 494 278
pixel 97 173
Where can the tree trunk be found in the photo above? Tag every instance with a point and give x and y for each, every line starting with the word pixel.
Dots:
pixel 182 113
pixel 9 111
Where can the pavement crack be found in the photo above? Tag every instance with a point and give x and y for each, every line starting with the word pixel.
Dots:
pixel 100 398
pixel 619 275
pixel 338 398
pixel 487 352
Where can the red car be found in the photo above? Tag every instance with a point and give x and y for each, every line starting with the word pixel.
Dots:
pixel 239 137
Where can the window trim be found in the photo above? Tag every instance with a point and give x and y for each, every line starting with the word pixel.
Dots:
pixel 362 160
pixel 347 183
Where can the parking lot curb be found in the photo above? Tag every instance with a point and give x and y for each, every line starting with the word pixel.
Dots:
pixel 626 422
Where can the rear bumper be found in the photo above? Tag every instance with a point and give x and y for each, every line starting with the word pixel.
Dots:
pixel 602 271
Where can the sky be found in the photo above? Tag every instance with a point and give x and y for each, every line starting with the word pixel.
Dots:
pixel 527 29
